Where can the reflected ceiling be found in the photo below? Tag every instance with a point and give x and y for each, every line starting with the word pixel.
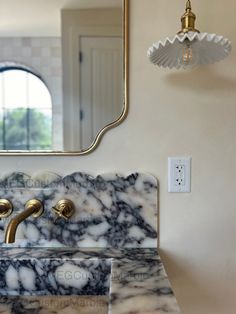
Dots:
pixel 45 20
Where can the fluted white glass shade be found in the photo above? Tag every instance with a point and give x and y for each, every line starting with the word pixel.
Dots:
pixel 187 50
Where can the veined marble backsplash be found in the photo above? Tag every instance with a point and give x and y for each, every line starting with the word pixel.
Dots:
pixel 111 210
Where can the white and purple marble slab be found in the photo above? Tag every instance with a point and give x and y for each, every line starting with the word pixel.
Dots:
pixel 134 279
pixel 111 210
pixel 108 249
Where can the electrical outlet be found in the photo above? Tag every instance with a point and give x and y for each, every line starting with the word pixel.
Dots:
pixel 179 175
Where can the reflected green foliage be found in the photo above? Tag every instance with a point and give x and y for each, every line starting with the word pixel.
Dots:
pixel 26 129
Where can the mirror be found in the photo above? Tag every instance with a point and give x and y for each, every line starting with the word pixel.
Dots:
pixel 63 74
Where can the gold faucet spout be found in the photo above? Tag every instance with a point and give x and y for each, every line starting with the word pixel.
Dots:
pixel 32 208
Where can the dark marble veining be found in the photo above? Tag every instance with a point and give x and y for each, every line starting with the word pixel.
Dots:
pixel 105 254
pixel 141 287
pixel 136 282
pixel 111 210
pixel 62 272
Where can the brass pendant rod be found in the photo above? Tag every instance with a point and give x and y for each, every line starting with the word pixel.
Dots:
pixel 188 20
pixel 188 5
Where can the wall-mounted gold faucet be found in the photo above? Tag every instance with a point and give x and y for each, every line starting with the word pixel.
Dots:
pixel 6 208
pixel 32 208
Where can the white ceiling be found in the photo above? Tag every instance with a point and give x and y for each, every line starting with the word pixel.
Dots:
pixel 41 17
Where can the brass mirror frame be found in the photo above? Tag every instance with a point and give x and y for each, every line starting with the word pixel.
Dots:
pixel 110 125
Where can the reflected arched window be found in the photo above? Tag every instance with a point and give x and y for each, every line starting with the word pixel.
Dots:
pixel 25 111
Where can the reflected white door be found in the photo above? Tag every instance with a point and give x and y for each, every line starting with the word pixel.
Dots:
pixel 101 90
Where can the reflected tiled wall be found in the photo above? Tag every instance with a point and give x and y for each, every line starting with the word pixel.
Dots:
pixel 43 56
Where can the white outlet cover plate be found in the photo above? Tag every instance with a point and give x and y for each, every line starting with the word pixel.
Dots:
pixel 179 174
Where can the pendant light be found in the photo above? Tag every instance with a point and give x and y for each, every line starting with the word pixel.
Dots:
pixel 189 48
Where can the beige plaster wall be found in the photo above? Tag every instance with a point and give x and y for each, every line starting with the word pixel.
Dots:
pixel 174 114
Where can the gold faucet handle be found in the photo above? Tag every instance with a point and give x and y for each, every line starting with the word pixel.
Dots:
pixel 64 209
pixel 6 208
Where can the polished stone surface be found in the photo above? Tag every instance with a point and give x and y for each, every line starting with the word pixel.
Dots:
pixel 137 282
pixel 105 252
pixel 111 210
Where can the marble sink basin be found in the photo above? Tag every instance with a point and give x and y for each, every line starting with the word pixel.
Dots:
pixel 132 280
pixel 54 272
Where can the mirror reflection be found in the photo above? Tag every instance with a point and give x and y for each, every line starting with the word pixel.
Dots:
pixel 61 72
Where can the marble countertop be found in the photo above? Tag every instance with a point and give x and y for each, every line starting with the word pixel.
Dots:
pixel 138 283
